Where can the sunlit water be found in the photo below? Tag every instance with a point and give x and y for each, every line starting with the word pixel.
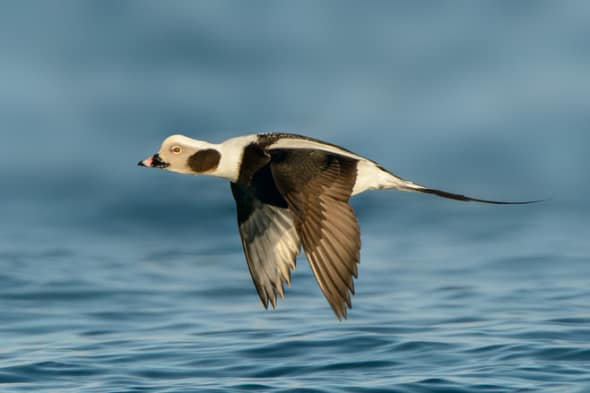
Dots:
pixel 464 303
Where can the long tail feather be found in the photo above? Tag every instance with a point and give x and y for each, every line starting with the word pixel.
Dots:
pixel 464 198
pixel 388 179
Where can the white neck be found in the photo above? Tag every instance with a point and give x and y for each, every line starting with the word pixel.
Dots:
pixel 231 156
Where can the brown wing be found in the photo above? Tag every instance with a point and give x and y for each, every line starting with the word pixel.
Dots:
pixel 270 242
pixel 316 186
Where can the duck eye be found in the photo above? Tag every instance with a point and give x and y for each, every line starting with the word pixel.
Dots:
pixel 176 149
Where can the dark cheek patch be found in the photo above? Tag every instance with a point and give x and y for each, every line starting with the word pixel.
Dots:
pixel 204 160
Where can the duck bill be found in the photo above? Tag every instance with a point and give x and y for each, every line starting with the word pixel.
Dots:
pixel 153 162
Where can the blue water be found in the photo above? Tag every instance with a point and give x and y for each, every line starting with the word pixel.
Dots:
pixel 115 278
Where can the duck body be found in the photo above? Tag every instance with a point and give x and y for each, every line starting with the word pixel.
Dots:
pixel 292 191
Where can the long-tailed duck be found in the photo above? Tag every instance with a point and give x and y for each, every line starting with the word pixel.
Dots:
pixel 292 190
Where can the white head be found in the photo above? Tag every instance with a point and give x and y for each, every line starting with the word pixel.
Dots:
pixel 182 154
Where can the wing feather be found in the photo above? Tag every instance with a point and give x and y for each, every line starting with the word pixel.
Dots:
pixel 270 241
pixel 317 186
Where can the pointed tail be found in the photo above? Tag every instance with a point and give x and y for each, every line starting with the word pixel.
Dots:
pixel 465 198
pixel 390 180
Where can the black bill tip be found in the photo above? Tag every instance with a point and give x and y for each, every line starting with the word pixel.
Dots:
pixel 157 162
pixel 154 161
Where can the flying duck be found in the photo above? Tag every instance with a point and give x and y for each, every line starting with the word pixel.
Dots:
pixel 292 191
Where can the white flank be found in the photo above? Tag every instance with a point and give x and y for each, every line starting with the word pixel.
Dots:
pixel 370 176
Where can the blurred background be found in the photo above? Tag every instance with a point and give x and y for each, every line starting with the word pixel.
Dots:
pixel 486 98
